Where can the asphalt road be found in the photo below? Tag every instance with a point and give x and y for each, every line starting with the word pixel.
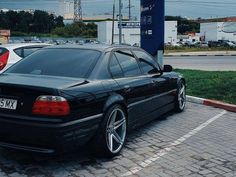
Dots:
pixel 200 142
pixel 207 63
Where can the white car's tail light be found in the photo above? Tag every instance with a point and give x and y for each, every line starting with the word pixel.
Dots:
pixel 3 59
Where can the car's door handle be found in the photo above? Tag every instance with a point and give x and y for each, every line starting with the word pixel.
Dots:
pixel 127 88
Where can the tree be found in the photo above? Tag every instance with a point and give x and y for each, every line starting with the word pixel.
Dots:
pixel 77 29
pixel 38 22
pixel 185 25
pixel 59 21
pixel 12 20
pixel 41 22
pixel 25 22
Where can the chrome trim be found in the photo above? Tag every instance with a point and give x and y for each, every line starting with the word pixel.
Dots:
pixel 26 148
pixel 54 125
pixel 82 120
pixel 151 98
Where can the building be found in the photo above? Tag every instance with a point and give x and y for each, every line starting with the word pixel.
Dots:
pixel 131 32
pixel 215 31
pixel 171 32
pixel 4 36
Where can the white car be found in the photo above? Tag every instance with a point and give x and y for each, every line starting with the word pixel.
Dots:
pixel 12 53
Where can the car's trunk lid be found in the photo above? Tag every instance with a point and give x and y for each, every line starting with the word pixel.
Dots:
pixel 18 92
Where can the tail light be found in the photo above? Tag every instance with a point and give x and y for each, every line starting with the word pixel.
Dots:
pixel 3 60
pixel 51 106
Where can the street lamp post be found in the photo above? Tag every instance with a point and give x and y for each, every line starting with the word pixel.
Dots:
pixel 120 20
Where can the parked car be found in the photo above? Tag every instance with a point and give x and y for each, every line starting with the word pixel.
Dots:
pixel 214 44
pixel 176 44
pixel 189 44
pixel 230 44
pixel 11 53
pixel 62 97
pixel 201 44
pixel 223 43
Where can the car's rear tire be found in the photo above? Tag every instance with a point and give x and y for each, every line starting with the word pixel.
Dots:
pixel 180 100
pixel 111 136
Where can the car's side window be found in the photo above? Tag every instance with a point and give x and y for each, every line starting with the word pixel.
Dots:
pixel 115 68
pixel 128 63
pixel 29 50
pixel 19 52
pixel 147 64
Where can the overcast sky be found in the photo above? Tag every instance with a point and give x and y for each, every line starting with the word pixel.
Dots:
pixel 185 8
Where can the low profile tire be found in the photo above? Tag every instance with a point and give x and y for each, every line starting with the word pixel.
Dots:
pixel 180 100
pixel 111 136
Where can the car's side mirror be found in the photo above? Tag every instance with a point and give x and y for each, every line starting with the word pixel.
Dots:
pixel 167 68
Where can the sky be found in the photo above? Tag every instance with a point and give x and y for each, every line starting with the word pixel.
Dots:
pixel 184 8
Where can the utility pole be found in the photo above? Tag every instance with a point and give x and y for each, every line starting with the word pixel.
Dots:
pixel 129 10
pixel 120 20
pixel 77 11
pixel 113 21
pixel 129 7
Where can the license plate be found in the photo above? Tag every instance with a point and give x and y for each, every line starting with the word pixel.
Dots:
pixel 8 103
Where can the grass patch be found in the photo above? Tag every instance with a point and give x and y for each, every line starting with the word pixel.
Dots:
pixel 217 85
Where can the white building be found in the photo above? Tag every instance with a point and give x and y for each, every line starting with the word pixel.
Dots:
pixel 215 31
pixel 171 32
pixel 131 32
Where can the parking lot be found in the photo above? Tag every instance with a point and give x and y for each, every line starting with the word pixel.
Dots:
pixel 198 142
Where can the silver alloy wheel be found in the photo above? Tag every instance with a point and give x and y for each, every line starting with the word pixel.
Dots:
pixel 182 97
pixel 116 130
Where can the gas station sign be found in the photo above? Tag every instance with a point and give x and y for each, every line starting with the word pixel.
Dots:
pixel 152 25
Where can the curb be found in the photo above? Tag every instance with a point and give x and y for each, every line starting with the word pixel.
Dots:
pixel 213 103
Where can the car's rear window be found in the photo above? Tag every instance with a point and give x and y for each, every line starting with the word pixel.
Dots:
pixel 58 62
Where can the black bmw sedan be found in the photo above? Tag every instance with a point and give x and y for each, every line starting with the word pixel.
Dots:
pixel 62 97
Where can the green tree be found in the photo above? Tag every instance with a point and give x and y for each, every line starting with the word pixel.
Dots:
pixel 38 22
pixel 59 21
pixel 12 20
pixel 41 22
pixel 25 22
pixel 185 25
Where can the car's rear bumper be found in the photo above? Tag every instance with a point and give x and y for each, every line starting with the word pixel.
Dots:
pixel 47 138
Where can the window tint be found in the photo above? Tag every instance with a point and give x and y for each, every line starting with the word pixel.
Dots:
pixel 115 68
pixel 147 64
pixel 28 51
pixel 19 52
pixel 58 62
pixel 128 63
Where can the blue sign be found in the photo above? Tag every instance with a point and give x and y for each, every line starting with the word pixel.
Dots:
pixel 152 25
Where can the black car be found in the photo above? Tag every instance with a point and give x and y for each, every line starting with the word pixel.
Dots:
pixel 61 97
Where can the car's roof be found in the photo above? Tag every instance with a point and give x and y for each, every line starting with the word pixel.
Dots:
pixel 17 45
pixel 99 47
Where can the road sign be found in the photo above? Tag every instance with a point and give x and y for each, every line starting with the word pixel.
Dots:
pixel 152 25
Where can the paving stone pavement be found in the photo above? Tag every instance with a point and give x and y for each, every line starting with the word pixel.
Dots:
pixel 211 152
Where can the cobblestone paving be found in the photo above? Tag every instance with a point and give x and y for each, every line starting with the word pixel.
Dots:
pixel 211 152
